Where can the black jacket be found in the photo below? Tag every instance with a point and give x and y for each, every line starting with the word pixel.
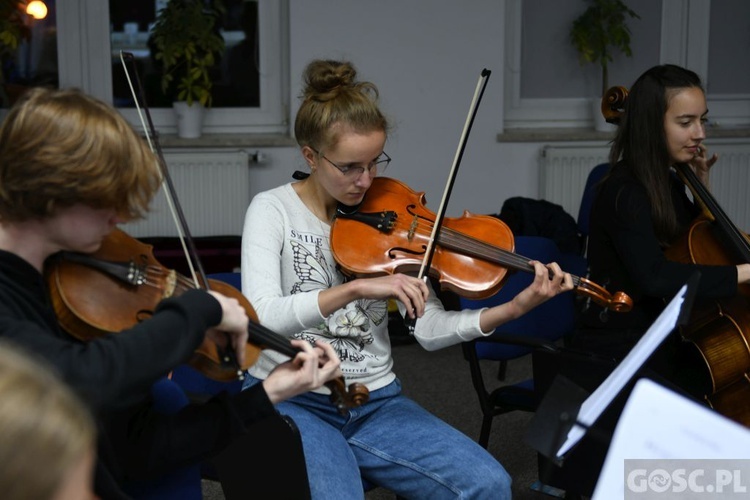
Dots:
pixel 625 255
pixel 113 375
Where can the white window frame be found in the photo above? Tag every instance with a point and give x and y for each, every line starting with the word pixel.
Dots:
pixel 684 41
pixel 84 59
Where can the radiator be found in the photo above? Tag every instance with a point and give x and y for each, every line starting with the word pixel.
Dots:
pixel 213 190
pixel 563 171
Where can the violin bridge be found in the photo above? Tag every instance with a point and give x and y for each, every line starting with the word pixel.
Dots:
pixel 170 283
pixel 413 227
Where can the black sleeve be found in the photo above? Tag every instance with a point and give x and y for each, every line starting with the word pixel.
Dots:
pixel 631 232
pixel 148 443
pixel 117 370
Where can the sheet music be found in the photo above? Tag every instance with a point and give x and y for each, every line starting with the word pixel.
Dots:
pixel 658 423
pixel 600 399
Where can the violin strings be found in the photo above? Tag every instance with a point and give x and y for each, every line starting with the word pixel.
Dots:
pixel 452 238
pixel 482 249
pixel 155 277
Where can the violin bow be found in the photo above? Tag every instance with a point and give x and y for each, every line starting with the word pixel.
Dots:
pixel 440 214
pixel 170 193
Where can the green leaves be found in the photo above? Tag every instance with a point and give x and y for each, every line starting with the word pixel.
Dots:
pixel 601 30
pixel 187 44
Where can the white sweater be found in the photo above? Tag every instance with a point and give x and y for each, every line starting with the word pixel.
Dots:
pixel 287 261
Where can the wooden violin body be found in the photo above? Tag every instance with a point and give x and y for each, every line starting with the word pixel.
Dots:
pixel 390 230
pixel 121 284
pixel 91 302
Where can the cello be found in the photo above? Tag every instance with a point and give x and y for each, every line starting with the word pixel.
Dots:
pixel 718 330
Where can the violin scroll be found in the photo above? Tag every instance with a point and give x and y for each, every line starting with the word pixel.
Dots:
pixel 345 398
pixel 613 104
pixel 617 302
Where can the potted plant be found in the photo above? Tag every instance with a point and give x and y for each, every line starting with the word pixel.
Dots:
pixel 187 45
pixel 599 32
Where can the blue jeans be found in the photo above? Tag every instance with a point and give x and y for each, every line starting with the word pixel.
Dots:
pixel 392 442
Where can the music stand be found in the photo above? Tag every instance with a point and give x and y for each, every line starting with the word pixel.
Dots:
pixel 567 412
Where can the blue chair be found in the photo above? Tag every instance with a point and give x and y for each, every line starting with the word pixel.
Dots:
pixel 233 278
pixel 587 200
pixel 540 328
pixel 183 483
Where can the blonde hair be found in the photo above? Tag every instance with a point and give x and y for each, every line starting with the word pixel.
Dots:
pixel 63 147
pixel 44 428
pixel 334 101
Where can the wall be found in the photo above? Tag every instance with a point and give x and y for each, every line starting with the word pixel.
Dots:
pixel 426 57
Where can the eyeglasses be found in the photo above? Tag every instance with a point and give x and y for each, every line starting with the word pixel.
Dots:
pixel 378 165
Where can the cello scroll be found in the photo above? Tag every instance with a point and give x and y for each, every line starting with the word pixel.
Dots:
pixel 613 104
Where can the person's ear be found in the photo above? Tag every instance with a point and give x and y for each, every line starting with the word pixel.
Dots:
pixel 310 157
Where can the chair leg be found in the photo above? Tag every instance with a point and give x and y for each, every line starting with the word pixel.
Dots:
pixel 484 434
pixel 502 369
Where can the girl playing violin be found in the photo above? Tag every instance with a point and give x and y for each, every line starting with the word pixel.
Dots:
pixel 642 208
pixel 71 169
pixel 289 274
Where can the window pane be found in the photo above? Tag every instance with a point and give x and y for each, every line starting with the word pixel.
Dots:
pixel 728 70
pixel 34 61
pixel 548 55
pixel 235 75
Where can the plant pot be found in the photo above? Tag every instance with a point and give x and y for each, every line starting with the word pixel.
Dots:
pixel 189 119
pixel 600 124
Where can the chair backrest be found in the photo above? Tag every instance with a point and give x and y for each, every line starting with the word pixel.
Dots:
pixel 232 278
pixel 549 321
pixel 589 191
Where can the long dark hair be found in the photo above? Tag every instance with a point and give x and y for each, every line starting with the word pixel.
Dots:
pixel 641 141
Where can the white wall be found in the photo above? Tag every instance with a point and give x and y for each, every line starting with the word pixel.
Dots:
pixel 425 56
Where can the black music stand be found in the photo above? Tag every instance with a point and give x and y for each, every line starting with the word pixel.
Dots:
pixel 576 382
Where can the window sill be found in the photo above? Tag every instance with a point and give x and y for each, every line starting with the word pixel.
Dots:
pixel 227 141
pixel 576 134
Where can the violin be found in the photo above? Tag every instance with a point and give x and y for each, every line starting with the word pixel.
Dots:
pixel 121 284
pixel 389 232
pixel 718 330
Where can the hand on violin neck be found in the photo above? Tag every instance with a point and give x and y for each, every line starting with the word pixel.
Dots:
pixel 549 281
pixel 310 369
pixel 232 327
